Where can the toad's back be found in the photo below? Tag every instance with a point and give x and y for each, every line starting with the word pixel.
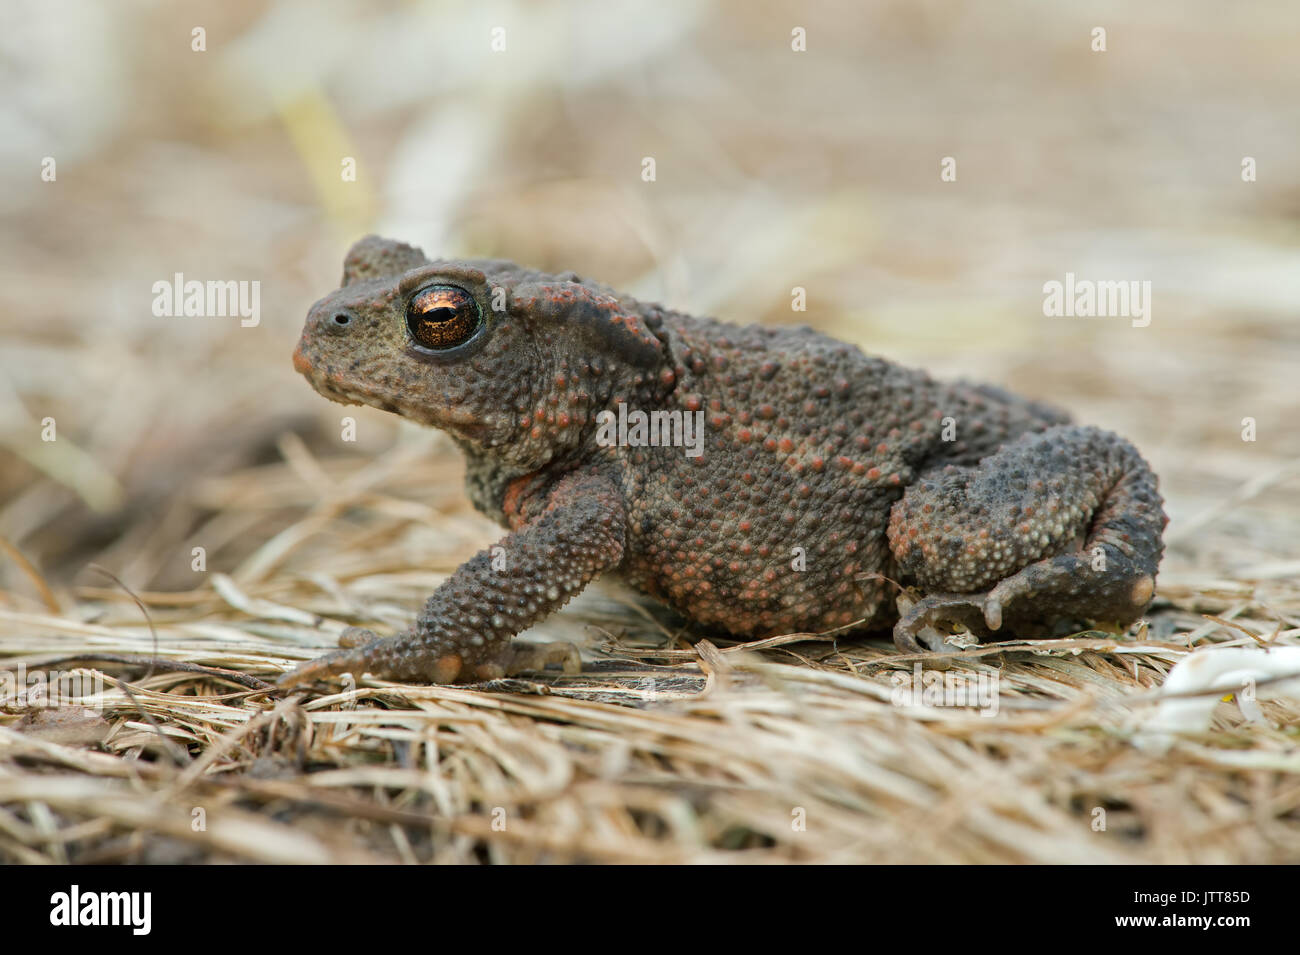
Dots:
pixel 779 525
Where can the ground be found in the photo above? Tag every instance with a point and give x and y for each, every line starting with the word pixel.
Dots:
pixel 657 752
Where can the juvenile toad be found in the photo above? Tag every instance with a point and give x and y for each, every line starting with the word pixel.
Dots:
pixel 821 476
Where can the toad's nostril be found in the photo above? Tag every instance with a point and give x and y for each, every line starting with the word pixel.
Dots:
pixel 342 318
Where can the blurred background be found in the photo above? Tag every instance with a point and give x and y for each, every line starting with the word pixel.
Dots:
pixel 519 130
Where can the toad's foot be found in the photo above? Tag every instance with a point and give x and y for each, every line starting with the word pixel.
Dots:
pixel 918 629
pixel 1020 600
pixel 401 657
pixel 361 651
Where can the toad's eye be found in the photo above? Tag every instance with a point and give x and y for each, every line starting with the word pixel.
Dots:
pixel 443 316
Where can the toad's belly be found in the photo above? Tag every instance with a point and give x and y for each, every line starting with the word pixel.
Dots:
pixel 764 590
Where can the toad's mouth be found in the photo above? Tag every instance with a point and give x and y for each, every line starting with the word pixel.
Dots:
pixel 344 394
pixel 336 387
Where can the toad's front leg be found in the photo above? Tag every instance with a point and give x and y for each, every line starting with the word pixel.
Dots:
pixel 465 630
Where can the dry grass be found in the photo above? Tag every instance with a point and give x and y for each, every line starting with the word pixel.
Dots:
pixel 657 752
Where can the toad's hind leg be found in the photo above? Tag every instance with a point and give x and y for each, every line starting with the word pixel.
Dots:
pixel 1064 524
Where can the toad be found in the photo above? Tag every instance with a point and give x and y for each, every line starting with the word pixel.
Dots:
pixel 771 480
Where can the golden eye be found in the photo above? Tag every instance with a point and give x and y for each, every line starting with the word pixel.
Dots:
pixel 442 316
